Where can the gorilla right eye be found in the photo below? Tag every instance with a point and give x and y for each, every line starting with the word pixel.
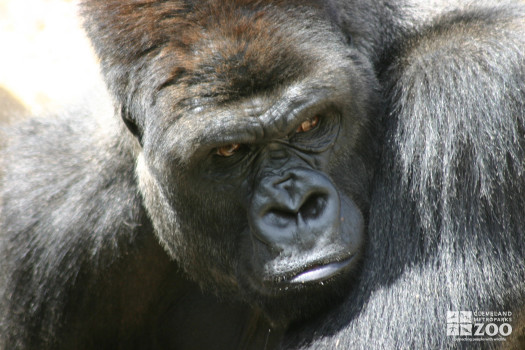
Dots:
pixel 228 150
pixel 308 124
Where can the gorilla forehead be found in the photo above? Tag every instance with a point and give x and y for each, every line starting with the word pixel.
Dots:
pixel 245 41
pixel 252 54
pixel 240 53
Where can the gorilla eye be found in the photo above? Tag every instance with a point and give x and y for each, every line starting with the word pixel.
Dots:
pixel 228 150
pixel 308 125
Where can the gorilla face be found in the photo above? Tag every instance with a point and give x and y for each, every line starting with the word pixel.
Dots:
pixel 257 155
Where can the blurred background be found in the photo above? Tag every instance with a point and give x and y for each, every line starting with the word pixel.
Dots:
pixel 46 62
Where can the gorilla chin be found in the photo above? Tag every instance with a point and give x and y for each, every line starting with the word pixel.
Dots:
pixel 313 291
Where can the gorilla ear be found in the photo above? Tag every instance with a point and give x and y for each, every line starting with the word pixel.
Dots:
pixel 131 123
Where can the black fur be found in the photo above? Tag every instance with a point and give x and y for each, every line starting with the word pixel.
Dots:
pixel 446 231
pixel 84 202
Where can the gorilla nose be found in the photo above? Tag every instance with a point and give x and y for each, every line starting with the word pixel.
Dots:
pixel 299 211
pixel 295 209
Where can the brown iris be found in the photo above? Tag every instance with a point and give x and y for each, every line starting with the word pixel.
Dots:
pixel 228 150
pixel 308 125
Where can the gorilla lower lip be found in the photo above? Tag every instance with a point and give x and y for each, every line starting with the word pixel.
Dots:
pixel 321 273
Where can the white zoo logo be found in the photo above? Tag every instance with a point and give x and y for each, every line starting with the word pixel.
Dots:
pixel 478 324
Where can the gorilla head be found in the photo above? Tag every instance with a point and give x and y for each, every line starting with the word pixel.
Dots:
pixel 255 123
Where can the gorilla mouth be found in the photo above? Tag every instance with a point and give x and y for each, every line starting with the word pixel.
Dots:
pixel 319 273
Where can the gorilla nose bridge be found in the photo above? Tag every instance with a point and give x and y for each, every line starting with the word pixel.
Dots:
pixel 287 185
pixel 278 153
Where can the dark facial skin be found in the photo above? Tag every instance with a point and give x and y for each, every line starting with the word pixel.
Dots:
pixel 268 181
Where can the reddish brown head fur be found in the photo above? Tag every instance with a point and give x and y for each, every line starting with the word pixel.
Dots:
pixel 220 48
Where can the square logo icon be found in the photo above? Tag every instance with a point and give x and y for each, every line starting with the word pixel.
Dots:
pixel 452 316
pixel 465 317
pixel 465 329
pixel 452 329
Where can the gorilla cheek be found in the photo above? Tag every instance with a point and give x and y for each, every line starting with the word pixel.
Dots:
pixel 162 214
pixel 189 232
pixel 353 225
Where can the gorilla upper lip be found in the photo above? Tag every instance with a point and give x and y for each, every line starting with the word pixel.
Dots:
pixel 322 272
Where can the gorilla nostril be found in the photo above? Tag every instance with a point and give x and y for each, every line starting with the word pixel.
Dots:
pixel 280 218
pixel 313 207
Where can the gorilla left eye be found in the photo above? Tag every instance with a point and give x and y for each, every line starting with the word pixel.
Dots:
pixel 228 150
pixel 308 125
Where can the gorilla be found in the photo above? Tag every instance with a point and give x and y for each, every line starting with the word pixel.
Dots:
pixel 266 174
